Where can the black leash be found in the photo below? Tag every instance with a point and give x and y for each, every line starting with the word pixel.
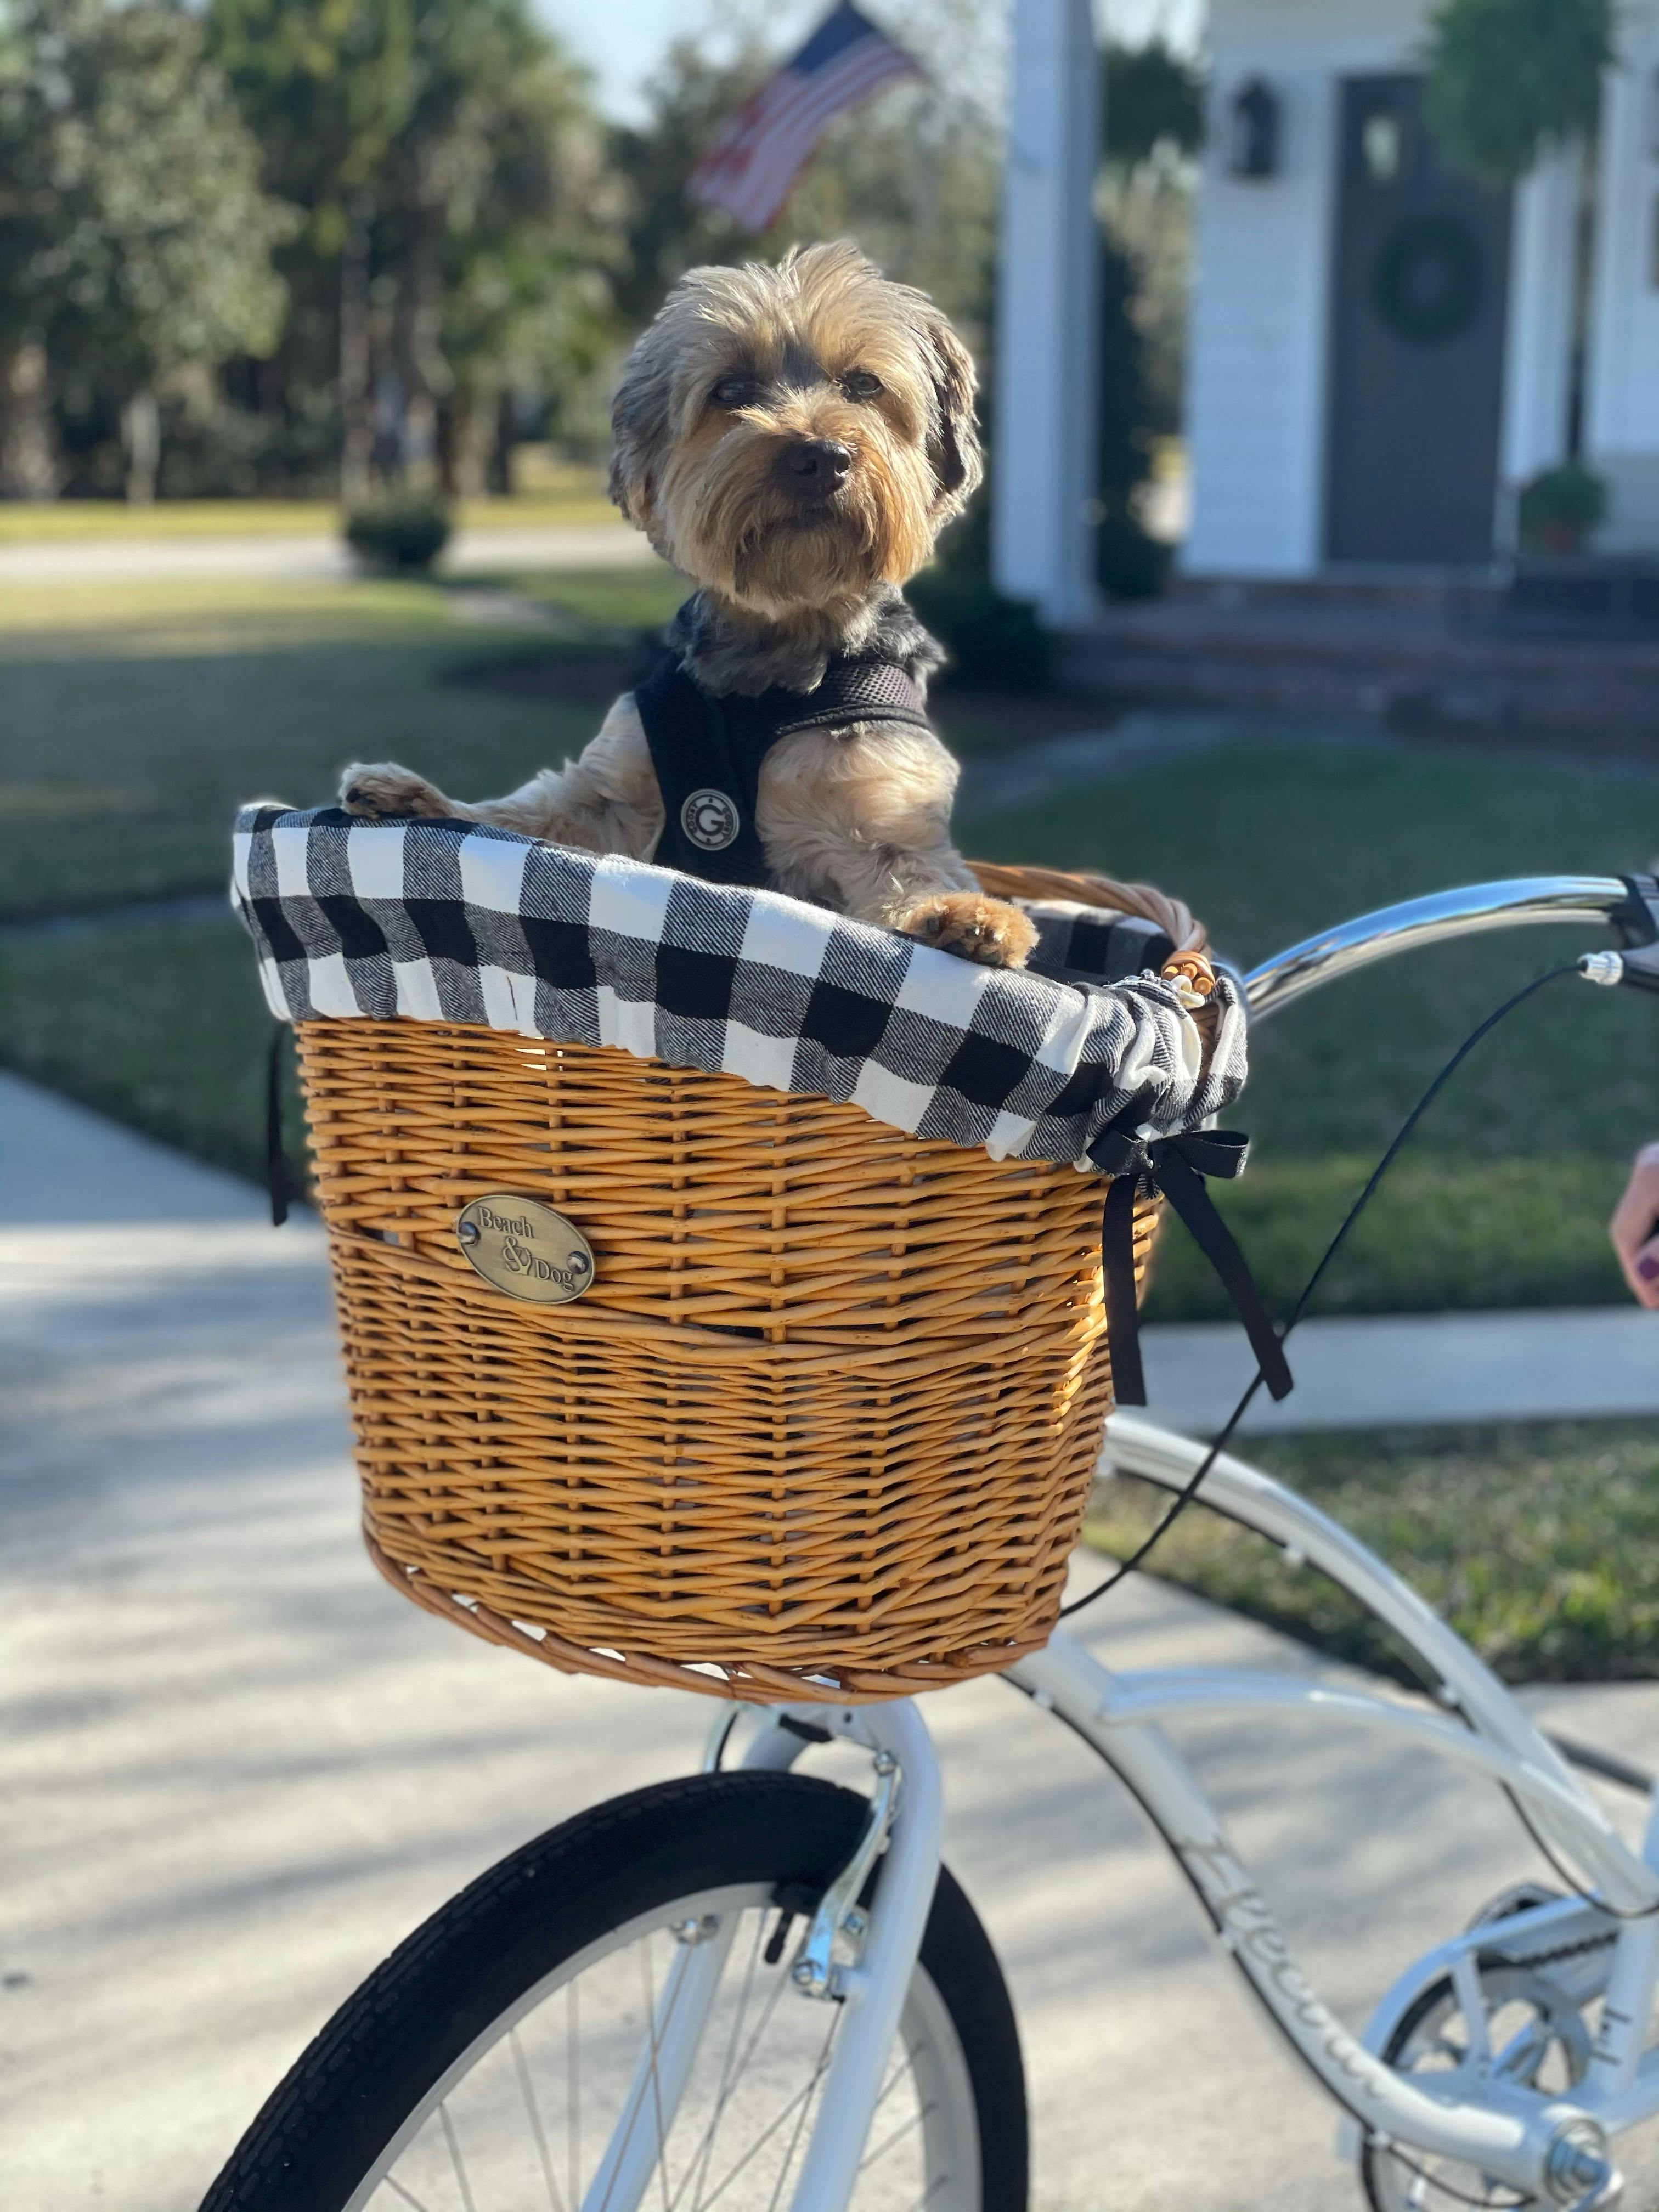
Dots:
pixel 1185 1498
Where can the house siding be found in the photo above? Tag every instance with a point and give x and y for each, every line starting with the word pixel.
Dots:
pixel 1259 351
pixel 1622 418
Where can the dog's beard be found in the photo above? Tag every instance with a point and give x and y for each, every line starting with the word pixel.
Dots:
pixel 734 529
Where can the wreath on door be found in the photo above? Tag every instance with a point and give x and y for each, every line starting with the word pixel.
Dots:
pixel 1429 280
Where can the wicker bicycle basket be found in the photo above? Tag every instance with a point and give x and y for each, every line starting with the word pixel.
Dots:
pixel 823 1426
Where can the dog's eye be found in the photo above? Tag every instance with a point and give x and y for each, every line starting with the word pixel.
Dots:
pixel 859 384
pixel 734 391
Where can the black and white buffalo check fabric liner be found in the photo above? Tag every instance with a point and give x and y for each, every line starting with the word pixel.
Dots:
pixel 452 921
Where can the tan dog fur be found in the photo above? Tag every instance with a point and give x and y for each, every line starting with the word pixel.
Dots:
pixel 741 367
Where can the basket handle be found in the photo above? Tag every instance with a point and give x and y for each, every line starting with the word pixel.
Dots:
pixel 1188 964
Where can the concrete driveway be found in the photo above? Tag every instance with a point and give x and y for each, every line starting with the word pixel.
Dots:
pixel 311 559
pixel 235 1769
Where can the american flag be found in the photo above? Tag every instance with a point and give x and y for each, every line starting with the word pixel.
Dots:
pixel 752 168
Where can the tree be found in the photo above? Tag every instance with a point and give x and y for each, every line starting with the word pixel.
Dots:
pixel 1508 79
pixel 1154 98
pixel 448 159
pixel 135 240
pixel 912 173
pixel 325 85
pixel 492 186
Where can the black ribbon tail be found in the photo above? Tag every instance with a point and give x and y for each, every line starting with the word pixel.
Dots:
pixel 1117 1254
pixel 277 1177
pixel 1183 1186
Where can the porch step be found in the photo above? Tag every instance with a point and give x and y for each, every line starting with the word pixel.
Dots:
pixel 1431 661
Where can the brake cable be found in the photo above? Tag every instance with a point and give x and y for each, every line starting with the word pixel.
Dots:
pixel 1143 1551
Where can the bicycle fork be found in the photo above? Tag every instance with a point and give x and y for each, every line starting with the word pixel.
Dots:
pixel 904 1821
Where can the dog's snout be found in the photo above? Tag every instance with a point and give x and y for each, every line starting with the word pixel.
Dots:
pixel 817 466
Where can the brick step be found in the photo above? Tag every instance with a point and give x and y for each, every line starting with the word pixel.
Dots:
pixel 1406 676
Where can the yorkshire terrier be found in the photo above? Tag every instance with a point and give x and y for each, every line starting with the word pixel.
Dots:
pixel 792 440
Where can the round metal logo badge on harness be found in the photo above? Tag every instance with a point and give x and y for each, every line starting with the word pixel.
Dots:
pixel 525 1248
pixel 710 820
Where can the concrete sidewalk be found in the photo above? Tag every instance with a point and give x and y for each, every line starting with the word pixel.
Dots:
pixel 312 559
pixel 236 1769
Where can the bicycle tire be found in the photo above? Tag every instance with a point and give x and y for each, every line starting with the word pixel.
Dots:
pixel 449 1986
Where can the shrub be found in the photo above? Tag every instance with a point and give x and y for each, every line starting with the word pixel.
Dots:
pixel 993 641
pixel 1560 508
pixel 405 535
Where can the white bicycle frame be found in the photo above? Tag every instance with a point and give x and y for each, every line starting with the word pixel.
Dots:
pixel 1550 2148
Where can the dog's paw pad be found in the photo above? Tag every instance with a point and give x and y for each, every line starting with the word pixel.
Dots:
pixel 974 928
pixel 381 791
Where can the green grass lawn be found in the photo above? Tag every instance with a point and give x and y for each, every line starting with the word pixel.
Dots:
pixel 1501 1200
pixel 1538 1543
pixel 133 720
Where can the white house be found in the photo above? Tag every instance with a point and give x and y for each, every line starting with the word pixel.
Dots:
pixel 1381 350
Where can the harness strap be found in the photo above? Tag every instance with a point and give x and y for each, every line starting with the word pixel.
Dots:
pixel 708 752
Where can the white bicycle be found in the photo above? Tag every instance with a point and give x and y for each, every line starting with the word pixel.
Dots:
pixel 755 1988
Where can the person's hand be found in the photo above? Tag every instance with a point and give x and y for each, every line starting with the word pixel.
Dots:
pixel 1634 1228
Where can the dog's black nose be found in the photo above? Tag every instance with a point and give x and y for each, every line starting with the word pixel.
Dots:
pixel 817 465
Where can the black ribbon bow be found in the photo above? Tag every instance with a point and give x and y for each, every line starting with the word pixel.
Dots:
pixel 1177 1166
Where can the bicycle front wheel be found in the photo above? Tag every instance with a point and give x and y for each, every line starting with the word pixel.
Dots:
pixel 526 2050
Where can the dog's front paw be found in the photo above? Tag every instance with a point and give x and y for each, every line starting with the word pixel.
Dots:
pixel 380 791
pixel 972 926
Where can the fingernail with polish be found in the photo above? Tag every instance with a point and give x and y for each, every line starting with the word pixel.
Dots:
pixel 1648 1269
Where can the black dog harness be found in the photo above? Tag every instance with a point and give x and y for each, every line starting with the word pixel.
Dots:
pixel 708 752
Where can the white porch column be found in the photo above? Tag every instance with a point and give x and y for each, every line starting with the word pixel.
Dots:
pixel 1048 317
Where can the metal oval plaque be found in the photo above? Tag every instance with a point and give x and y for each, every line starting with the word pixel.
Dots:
pixel 525 1248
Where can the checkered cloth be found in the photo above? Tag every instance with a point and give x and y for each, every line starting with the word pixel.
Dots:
pixel 452 921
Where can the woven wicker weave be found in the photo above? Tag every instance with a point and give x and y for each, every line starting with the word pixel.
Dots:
pixel 825 1424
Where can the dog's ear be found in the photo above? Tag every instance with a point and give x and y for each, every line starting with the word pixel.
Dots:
pixel 639 426
pixel 953 437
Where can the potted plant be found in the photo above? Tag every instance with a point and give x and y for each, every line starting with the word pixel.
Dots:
pixel 1560 508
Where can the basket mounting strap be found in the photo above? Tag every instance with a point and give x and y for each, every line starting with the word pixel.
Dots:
pixel 1177 1166
pixel 279 1181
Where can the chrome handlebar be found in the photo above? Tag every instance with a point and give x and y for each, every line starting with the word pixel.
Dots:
pixel 1628 905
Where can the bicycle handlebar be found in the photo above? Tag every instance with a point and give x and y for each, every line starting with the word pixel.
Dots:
pixel 1629 905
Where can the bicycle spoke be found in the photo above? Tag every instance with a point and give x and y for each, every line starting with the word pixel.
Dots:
pixel 408 2195
pixel 812 2089
pixel 697 2170
pixel 799 2097
pixel 769 2008
pixel 448 2127
pixel 629 2118
pixel 573 2094
pixel 536 2128
pixel 905 2067
pixel 898 2135
pixel 649 1984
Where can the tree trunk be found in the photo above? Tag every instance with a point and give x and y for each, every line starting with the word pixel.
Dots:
pixel 356 384
pixel 28 451
pixel 140 438
pixel 423 370
pixel 500 478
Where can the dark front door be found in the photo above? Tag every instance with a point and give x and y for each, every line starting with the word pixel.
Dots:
pixel 1419 295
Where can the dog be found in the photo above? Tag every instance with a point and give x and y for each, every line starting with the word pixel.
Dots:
pixel 792 440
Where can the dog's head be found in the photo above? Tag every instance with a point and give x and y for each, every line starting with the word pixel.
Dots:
pixel 790 437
